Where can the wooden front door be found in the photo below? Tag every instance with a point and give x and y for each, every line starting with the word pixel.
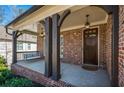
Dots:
pixel 91 46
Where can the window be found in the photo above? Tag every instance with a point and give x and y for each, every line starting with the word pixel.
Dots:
pixel 29 46
pixel 61 46
pixel 19 46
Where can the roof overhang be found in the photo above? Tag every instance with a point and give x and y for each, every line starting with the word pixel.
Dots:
pixel 40 13
pixel 35 14
pixel 25 14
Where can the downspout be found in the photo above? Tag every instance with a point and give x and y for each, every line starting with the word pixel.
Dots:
pixel 6 37
pixel 7 31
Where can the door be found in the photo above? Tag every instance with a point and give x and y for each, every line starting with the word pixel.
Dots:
pixel 91 46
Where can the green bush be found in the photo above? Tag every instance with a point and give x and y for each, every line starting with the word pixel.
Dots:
pixel 4 75
pixel 2 64
pixel 7 79
pixel 2 60
pixel 18 82
pixel 3 67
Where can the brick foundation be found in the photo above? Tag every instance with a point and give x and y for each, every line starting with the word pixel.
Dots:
pixel 37 77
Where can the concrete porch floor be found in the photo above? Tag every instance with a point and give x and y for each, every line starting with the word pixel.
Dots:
pixel 73 74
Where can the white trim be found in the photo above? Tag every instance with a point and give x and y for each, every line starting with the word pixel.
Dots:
pixel 98 45
pixel 40 14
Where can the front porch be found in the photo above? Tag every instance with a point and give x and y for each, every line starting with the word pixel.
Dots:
pixel 73 41
pixel 71 75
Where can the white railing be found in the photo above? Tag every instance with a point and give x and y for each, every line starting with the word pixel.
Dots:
pixel 28 55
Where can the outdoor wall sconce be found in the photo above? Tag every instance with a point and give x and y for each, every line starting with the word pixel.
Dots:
pixel 42 34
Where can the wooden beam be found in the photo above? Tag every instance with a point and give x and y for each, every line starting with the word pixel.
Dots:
pixel 64 15
pixel 115 49
pixel 107 8
pixel 56 24
pixel 14 48
pixel 114 10
pixel 55 48
pixel 48 46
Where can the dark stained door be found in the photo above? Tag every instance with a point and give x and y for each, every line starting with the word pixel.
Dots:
pixel 91 46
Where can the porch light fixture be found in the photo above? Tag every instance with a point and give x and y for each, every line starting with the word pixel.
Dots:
pixel 87 24
pixel 42 34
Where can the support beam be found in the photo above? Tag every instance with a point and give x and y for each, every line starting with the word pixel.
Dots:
pixel 115 38
pixel 56 24
pixel 48 47
pixel 64 15
pixel 55 48
pixel 14 43
pixel 15 35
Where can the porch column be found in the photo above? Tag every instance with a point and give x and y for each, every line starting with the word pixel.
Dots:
pixel 14 42
pixel 15 35
pixel 115 38
pixel 48 46
pixel 56 24
pixel 56 48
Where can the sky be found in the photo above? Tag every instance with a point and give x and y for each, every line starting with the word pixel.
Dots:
pixel 8 12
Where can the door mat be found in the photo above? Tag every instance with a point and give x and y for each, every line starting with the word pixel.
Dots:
pixel 90 67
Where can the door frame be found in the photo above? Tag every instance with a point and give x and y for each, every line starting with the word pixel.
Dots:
pixel 98 49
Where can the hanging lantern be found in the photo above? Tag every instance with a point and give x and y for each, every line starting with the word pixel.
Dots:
pixel 87 24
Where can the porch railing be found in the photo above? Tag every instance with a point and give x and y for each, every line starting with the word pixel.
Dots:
pixel 28 55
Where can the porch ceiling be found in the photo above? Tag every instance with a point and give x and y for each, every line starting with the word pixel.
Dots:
pixel 77 19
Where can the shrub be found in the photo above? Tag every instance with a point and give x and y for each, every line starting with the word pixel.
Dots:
pixel 18 82
pixel 2 64
pixel 7 79
pixel 2 79
pixel 3 67
pixel 2 60
pixel 4 75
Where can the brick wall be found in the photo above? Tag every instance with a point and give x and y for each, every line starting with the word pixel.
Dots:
pixel 108 43
pixel 73 45
pixel 102 41
pixel 121 45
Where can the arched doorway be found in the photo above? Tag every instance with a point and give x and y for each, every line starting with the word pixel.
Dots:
pixel 113 52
